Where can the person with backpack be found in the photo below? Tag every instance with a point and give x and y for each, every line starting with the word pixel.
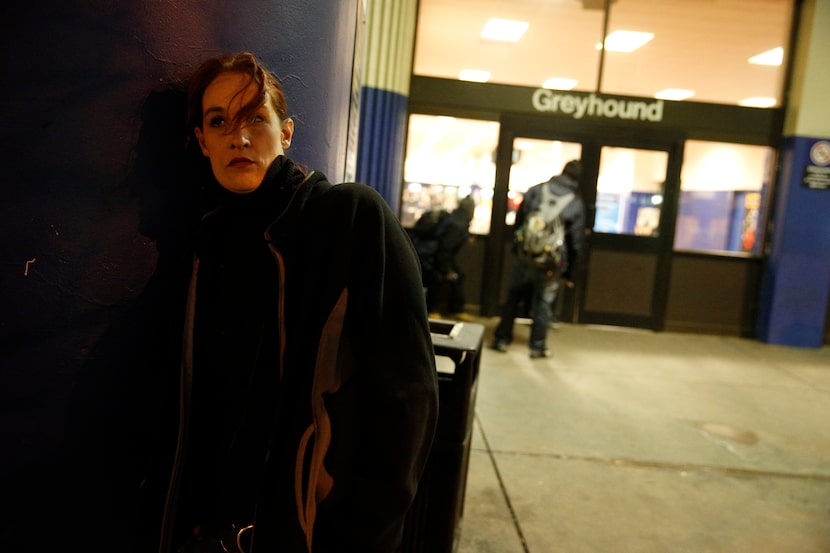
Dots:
pixel 438 236
pixel 549 236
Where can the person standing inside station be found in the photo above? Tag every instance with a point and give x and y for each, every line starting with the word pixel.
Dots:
pixel 443 277
pixel 541 284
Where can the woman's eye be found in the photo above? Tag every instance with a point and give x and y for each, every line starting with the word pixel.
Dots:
pixel 257 118
pixel 216 121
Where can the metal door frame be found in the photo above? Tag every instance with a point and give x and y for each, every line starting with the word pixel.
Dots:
pixel 592 137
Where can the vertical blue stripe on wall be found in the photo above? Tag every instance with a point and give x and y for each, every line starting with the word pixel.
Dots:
pixel 796 282
pixel 384 96
pixel 381 142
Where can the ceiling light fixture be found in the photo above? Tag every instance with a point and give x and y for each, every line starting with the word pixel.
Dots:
pixel 559 83
pixel 625 41
pixel 758 102
pixel 594 4
pixel 504 30
pixel 474 75
pixel 674 94
pixel 770 57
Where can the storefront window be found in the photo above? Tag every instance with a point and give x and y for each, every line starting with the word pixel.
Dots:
pixel 534 161
pixel 630 191
pixel 725 52
pixel 723 195
pixel 448 158
pixel 558 43
pixel 730 52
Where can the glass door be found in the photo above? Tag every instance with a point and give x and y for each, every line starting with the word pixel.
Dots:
pixel 534 160
pixel 626 266
pixel 630 185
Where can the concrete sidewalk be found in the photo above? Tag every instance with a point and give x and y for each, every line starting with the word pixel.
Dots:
pixel 634 441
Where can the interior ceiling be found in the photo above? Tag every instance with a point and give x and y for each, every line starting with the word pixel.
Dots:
pixel 702 45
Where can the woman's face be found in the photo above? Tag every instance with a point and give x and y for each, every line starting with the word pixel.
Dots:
pixel 241 157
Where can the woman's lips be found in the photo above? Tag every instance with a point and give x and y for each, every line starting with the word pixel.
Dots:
pixel 240 162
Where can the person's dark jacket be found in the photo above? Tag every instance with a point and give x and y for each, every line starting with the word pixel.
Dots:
pixel 309 382
pixel 573 216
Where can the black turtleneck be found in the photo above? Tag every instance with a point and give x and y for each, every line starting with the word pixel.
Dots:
pixel 268 200
pixel 236 345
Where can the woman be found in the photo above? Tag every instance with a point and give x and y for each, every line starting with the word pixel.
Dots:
pixel 309 394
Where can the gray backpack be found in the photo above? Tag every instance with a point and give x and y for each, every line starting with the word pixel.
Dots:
pixel 541 237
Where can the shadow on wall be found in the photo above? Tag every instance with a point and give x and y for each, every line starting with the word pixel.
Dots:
pixel 91 339
pixel 95 238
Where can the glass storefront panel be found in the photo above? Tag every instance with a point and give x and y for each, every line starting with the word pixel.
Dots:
pixel 723 195
pixel 448 158
pixel 558 44
pixel 630 191
pixel 535 161
pixel 725 52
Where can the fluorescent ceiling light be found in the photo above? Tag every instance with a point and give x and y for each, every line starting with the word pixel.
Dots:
pixel 475 75
pixel 625 41
pixel 770 57
pixel 507 30
pixel 559 83
pixel 758 102
pixel 674 94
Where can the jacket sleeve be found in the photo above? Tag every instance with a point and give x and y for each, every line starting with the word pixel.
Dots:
pixel 394 379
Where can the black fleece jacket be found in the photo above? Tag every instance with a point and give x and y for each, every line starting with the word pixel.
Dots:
pixel 306 344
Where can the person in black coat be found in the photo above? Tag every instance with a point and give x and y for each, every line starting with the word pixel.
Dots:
pixel 443 276
pixel 308 386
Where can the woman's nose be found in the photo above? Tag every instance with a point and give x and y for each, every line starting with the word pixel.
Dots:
pixel 240 139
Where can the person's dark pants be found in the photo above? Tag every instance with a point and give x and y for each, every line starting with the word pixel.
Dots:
pixel 440 289
pixel 542 287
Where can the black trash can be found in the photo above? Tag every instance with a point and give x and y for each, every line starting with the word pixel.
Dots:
pixel 433 521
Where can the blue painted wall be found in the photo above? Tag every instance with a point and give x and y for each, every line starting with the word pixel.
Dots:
pixel 794 296
pixel 380 156
pixel 95 225
pixel 384 96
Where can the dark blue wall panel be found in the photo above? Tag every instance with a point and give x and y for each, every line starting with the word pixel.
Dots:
pixel 381 142
pixel 95 224
pixel 794 295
